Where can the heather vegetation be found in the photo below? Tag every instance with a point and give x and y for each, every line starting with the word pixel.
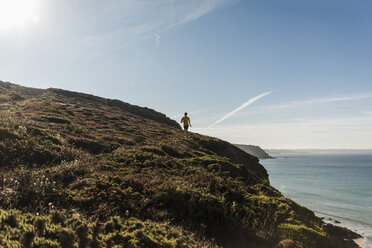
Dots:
pixel 83 171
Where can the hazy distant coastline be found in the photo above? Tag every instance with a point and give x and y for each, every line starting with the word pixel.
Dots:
pixel 318 151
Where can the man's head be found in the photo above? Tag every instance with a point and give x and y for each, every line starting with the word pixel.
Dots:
pixel 185 114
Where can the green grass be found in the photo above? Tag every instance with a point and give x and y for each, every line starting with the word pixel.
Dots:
pixel 304 234
pixel 116 232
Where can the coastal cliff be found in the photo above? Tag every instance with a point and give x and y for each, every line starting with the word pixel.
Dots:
pixel 254 150
pixel 83 171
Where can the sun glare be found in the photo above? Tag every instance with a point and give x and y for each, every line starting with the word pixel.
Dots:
pixel 16 14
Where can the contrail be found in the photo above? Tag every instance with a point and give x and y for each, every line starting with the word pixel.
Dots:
pixel 246 104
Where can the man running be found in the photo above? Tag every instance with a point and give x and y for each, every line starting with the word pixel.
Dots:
pixel 186 123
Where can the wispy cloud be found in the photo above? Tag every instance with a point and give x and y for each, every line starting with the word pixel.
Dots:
pixel 134 20
pixel 244 105
pixel 315 101
pixel 196 112
pixel 157 38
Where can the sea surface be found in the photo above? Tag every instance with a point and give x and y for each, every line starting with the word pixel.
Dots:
pixel 337 186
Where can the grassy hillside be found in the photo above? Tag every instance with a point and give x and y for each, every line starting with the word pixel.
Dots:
pixel 83 171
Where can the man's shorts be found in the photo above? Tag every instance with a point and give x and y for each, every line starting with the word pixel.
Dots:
pixel 186 127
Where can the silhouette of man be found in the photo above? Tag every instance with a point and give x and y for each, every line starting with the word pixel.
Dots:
pixel 186 123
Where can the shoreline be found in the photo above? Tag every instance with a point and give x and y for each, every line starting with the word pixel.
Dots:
pixel 360 225
pixel 345 223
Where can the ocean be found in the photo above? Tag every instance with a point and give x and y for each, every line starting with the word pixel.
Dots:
pixel 336 186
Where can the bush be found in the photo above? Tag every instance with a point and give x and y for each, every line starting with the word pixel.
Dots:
pixel 82 233
pixel 27 239
pixel 39 224
pixel 66 238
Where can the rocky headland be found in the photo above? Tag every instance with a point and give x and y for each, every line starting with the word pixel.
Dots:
pixel 254 150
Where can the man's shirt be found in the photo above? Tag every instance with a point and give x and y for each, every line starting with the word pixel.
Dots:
pixel 185 120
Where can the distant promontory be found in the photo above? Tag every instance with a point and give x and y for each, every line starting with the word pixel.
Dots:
pixel 254 150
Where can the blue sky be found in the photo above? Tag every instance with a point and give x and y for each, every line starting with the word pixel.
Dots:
pixel 207 57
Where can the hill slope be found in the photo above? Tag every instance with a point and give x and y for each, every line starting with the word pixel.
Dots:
pixel 80 170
